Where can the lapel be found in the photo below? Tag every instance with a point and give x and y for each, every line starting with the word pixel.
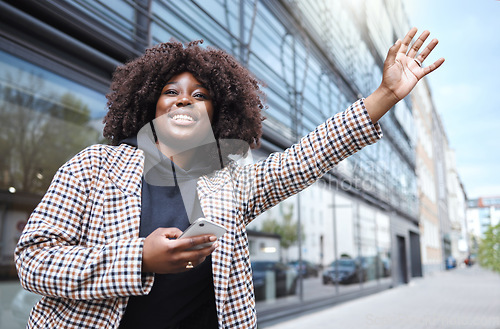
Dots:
pixel 126 168
pixel 217 202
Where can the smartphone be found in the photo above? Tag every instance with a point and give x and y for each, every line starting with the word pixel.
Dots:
pixel 203 226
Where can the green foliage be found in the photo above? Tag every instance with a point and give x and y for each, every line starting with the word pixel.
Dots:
pixel 489 249
pixel 40 129
pixel 287 228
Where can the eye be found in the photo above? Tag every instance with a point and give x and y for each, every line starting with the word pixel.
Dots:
pixel 170 92
pixel 201 96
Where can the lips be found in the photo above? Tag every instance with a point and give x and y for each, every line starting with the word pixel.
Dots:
pixel 183 117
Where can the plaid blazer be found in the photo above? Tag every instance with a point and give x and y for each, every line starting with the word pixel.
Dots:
pixel 81 248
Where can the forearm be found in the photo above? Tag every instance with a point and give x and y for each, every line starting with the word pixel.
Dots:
pixel 77 272
pixel 284 174
pixel 63 251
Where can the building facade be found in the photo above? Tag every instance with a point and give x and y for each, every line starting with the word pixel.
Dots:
pixel 431 241
pixel 443 206
pixel 457 201
pixel 482 213
pixel 316 58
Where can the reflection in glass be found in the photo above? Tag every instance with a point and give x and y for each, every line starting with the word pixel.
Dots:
pixel 383 247
pixel 42 124
pixel 44 120
pixel 273 279
pixel 118 15
pixel 272 246
pixel 368 247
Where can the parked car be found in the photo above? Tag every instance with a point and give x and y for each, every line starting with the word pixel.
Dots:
pixel 285 278
pixel 344 271
pixel 305 268
pixel 451 262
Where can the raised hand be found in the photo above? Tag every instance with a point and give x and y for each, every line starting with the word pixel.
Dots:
pixel 403 68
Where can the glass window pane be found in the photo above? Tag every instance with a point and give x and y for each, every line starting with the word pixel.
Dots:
pixel 345 269
pixel 368 258
pixel 273 238
pixel 118 15
pixel 44 120
pixel 384 247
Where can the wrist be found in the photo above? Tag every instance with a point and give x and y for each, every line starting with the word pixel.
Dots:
pixel 145 268
pixel 379 102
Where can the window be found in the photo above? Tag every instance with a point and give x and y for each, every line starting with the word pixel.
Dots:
pixel 44 120
pixel 118 15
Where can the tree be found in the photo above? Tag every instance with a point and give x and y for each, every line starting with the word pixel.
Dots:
pixel 489 249
pixel 286 227
pixel 40 128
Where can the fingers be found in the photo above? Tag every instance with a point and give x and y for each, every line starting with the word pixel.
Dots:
pixel 423 55
pixel 433 66
pixel 194 257
pixel 418 43
pixel 169 232
pixel 195 242
pixel 407 40
pixel 163 253
pixel 194 250
pixel 413 52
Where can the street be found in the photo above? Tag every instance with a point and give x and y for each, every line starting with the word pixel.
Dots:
pixel 459 298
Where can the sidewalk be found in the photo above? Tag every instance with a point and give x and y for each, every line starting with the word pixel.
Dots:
pixel 466 298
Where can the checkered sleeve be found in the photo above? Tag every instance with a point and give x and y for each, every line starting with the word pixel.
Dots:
pixel 284 174
pixel 56 257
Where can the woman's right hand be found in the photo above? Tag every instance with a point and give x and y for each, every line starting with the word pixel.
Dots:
pixel 164 253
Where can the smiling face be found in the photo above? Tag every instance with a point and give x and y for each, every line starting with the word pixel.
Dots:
pixel 184 113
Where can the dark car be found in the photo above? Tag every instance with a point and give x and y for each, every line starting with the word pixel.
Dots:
pixel 285 278
pixel 344 271
pixel 305 268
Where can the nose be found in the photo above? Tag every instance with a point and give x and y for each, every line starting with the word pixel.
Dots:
pixel 183 101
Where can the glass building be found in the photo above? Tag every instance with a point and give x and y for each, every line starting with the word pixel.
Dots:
pixel 353 233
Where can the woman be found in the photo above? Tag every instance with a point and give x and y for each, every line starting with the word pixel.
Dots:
pixel 101 246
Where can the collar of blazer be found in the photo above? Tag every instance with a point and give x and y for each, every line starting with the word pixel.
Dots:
pixel 125 168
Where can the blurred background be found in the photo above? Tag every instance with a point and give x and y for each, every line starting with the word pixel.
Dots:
pixel 424 199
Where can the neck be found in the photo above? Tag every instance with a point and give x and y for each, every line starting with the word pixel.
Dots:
pixel 182 159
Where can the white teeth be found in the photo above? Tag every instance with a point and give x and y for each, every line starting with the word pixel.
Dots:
pixel 182 117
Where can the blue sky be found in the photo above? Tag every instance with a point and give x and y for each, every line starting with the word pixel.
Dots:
pixel 466 88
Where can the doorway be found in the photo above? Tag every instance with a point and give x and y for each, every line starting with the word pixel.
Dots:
pixel 403 266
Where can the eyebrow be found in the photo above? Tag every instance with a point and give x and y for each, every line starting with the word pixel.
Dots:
pixel 176 82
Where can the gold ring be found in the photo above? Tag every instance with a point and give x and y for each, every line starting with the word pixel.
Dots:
pixel 189 265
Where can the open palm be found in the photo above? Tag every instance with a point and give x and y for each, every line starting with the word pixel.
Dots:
pixel 402 67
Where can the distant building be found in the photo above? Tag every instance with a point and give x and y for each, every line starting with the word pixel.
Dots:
pixel 481 214
pixel 457 210
pixel 442 206
pixel 429 220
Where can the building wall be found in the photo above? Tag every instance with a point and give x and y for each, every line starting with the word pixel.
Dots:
pixel 457 210
pixel 440 144
pixel 423 108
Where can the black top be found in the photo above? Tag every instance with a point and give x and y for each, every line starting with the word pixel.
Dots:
pixel 173 296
